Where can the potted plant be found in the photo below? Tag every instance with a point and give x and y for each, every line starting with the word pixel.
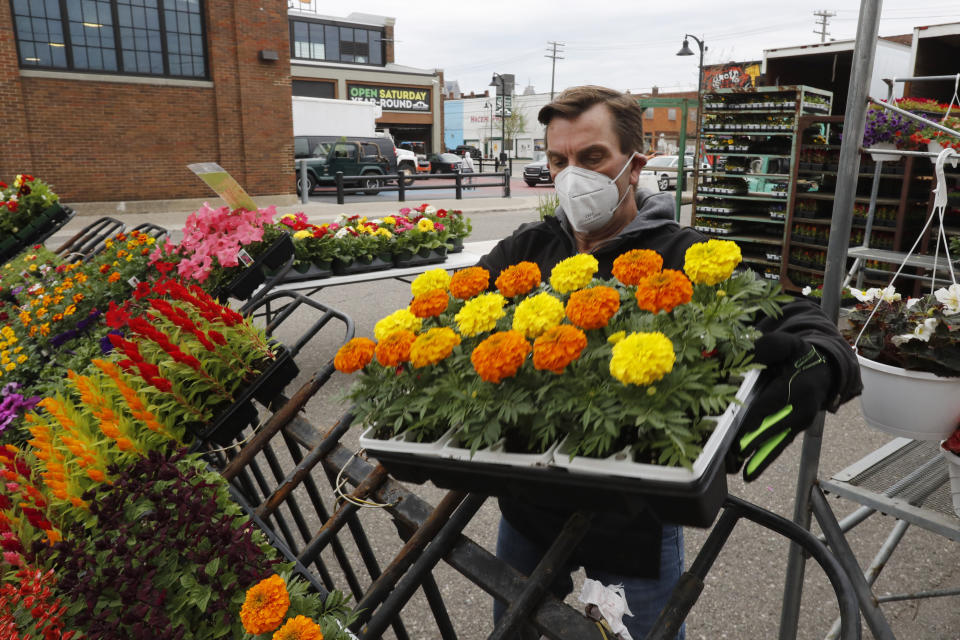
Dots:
pixel 28 207
pixel 417 239
pixel 887 130
pixel 950 450
pixel 634 364
pixel 936 140
pixel 909 353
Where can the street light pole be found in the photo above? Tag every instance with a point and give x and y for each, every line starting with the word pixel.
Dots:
pixel 498 80
pixel 490 107
pixel 685 51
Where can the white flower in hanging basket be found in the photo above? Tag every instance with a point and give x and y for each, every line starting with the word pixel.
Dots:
pixel 949 297
pixel 922 331
pixel 887 294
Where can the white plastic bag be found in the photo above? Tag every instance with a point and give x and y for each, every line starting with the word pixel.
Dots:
pixel 610 602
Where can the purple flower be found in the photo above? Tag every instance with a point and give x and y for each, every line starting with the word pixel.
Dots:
pixel 13 405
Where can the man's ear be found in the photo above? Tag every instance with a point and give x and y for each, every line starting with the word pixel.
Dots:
pixel 637 163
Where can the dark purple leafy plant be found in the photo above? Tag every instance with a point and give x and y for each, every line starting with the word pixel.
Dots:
pixel 164 554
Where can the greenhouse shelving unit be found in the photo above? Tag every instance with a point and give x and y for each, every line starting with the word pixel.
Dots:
pixel 901 206
pixel 752 135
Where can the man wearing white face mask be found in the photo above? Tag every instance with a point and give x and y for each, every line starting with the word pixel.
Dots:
pixel 593 135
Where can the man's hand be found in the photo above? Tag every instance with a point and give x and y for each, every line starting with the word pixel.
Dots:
pixel 797 384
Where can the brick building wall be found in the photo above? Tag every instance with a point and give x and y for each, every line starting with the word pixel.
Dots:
pixel 99 138
pixel 657 120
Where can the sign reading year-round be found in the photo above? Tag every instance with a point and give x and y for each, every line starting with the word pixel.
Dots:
pixel 390 98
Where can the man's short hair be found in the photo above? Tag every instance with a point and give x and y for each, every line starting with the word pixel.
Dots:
pixel 627 114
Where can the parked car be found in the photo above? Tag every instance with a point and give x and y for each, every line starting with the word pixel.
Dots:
pixel 665 169
pixel 445 162
pixel 537 172
pixel 463 148
pixel 326 155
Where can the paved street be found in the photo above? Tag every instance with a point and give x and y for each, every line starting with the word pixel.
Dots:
pixel 743 593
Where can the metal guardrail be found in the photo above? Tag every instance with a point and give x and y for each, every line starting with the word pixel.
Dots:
pixel 461 181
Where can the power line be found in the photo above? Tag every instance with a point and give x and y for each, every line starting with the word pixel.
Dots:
pixel 824 17
pixel 553 62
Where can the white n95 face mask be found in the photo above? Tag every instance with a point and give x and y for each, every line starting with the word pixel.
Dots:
pixel 589 198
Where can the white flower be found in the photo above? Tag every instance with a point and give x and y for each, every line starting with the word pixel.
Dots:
pixel 376 221
pixel 806 290
pixel 14 198
pixel 911 302
pixel 922 332
pixel 863 296
pixel 889 294
pixel 341 233
pixel 342 218
pixel 949 298
pixel 429 210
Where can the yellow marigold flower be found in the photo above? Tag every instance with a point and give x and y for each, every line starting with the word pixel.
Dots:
pixel 429 280
pixel 21 359
pixel 429 304
pixel 389 220
pixel 469 282
pixel 399 319
pixel 384 232
pixel 500 356
pixel 433 346
pixel 663 291
pixel 592 308
pixel 354 355
pixel 395 348
pixel 642 358
pixel 10 367
pixel 265 605
pixel 480 314
pixel 711 262
pixel 536 314
pixel 303 233
pixel 573 273
pixel 519 279
pixel 632 266
pixel 558 347
pixel 299 628
pixel 425 224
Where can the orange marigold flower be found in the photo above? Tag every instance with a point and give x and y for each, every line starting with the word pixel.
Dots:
pixel 299 628
pixel 558 347
pixel 433 346
pixel 635 265
pixel 663 291
pixel 592 308
pixel 113 277
pixel 469 282
pixel 265 605
pixel 430 303
pixel 104 268
pixel 500 356
pixel 519 279
pixel 354 355
pixel 395 348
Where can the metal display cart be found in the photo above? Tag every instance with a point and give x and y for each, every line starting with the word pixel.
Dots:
pixel 900 479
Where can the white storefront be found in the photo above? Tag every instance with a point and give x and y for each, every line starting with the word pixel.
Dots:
pixel 480 125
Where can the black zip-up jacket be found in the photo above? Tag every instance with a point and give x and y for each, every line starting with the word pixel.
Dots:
pixel 630 545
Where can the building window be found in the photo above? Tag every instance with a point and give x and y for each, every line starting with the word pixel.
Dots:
pixel 313 89
pixel 336 43
pixel 671 114
pixel 648 113
pixel 144 37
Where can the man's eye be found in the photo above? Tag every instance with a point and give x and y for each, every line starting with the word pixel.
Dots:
pixel 558 163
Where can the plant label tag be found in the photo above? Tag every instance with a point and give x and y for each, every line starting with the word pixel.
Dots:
pixel 244 257
pixel 133 281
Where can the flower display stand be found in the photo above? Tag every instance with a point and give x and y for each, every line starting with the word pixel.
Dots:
pixel 278 256
pixel 910 404
pixel 311 271
pixel 690 497
pixel 358 265
pixel 953 470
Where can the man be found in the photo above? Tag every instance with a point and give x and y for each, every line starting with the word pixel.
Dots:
pixel 593 135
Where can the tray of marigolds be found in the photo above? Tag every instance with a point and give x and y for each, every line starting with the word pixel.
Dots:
pixel 618 394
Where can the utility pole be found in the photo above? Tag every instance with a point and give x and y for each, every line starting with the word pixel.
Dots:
pixel 824 16
pixel 552 54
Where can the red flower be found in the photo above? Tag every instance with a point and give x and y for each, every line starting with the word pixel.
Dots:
pixel 164 267
pixel 117 317
pixel 13 206
pixel 142 291
pixel 3 185
pixel 217 337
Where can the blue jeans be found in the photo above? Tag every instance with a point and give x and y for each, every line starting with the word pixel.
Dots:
pixel 645 597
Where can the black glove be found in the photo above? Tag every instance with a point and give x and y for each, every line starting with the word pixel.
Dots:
pixel 797 383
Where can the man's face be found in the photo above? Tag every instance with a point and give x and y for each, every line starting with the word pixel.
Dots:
pixel 589 141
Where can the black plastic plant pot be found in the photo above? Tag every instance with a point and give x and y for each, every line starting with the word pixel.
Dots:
pixel 244 284
pixel 276 377
pixel 9 247
pixel 455 245
pixel 233 420
pixel 277 253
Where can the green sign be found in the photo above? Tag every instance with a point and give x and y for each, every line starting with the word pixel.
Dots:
pixel 500 111
pixel 408 99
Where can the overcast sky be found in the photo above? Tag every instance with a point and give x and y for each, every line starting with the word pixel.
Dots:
pixel 618 43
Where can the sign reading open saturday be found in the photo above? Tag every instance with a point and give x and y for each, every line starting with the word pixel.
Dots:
pixel 411 99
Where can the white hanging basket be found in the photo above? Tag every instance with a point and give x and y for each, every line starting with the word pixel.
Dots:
pixel 953 468
pixel 909 404
pixel 934 147
pixel 885 157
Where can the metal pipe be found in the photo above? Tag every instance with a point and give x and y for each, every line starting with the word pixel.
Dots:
pixel 849 166
pixel 304 190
